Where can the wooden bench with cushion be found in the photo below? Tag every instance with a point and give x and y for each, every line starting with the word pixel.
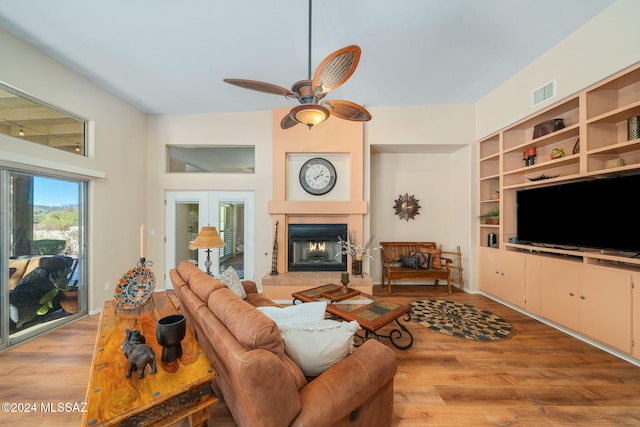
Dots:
pixel 413 261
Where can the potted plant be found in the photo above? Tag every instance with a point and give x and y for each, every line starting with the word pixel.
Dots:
pixel 68 293
pixel 491 217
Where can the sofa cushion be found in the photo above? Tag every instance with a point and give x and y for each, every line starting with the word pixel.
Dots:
pixel 250 327
pixel 186 268
pixel 300 313
pixel 232 281
pixel 316 346
pixel 204 285
pixel 200 282
pixel 258 300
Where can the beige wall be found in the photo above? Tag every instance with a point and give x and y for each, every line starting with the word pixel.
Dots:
pixel 600 48
pixel 252 128
pixel 433 174
pixel 424 151
pixel 116 163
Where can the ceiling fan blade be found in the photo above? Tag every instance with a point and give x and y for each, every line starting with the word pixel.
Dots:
pixel 348 110
pixel 287 122
pixel 261 87
pixel 336 69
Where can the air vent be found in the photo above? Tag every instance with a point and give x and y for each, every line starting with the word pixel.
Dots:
pixel 543 93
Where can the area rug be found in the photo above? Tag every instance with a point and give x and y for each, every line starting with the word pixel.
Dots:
pixel 460 320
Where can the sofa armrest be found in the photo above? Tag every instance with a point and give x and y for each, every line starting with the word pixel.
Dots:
pixel 347 385
pixel 250 286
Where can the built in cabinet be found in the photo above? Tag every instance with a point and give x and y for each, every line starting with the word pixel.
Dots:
pixel 503 275
pixel 589 292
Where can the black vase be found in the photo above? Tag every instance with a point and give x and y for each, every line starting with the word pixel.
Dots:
pixel 170 331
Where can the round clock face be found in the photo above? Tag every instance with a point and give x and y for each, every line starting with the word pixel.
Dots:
pixel 317 176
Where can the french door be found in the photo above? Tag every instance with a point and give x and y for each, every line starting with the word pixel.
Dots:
pixel 231 212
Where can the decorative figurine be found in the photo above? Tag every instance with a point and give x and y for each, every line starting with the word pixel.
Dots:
pixel 137 353
pixel 344 279
pixel 274 255
pixel 529 156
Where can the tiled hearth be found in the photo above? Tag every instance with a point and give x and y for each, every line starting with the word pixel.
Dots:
pixel 281 286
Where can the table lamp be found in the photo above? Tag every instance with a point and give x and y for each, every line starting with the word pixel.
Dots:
pixel 207 239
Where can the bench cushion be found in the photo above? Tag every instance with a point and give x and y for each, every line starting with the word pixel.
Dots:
pixel 436 260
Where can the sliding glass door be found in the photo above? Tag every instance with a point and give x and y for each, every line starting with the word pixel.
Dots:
pixel 43 241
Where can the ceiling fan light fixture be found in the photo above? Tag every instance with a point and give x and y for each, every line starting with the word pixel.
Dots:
pixel 309 114
pixel 332 73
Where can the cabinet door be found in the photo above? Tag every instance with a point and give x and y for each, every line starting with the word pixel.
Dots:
pixel 605 306
pixel 512 274
pixel 533 284
pixel 559 298
pixel 489 274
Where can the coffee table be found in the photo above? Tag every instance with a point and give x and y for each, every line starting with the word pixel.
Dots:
pixel 178 389
pixel 372 313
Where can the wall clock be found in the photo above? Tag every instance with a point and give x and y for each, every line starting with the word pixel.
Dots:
pixel 317 176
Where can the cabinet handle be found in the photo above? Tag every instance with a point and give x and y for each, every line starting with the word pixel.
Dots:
pixel 571 294
pixel 582 297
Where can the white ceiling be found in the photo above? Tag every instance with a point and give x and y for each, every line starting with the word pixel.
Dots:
pixel 169 56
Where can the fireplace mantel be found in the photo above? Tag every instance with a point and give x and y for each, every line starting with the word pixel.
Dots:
pixel 292 207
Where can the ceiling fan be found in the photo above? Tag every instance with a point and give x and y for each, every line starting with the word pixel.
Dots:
pixel 332 72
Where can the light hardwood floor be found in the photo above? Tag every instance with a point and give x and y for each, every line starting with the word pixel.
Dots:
pixel 538 377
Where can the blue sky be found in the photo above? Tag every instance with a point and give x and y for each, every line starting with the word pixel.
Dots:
pixel 54 192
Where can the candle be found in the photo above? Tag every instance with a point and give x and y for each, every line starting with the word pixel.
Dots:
pixel 142 241
pixel 345 277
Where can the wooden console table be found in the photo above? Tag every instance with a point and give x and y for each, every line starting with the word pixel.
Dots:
pixel 178 390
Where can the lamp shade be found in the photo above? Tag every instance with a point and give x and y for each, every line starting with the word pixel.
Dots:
pixel 310 114
pixel 207 238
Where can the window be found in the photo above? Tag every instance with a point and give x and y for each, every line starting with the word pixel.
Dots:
pixel 217 159
pixel 29 119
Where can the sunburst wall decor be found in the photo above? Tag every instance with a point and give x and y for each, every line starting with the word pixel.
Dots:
pixel 407 207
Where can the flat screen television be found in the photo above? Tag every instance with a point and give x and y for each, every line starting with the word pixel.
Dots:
pixel 597 213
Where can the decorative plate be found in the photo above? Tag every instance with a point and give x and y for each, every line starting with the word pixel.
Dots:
pixel 135 287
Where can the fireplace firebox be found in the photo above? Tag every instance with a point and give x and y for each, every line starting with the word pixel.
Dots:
pixel 316 247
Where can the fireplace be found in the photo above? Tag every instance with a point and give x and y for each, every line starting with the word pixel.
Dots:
pixel 316 247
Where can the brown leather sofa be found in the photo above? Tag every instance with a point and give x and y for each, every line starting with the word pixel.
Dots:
pixel 260 384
